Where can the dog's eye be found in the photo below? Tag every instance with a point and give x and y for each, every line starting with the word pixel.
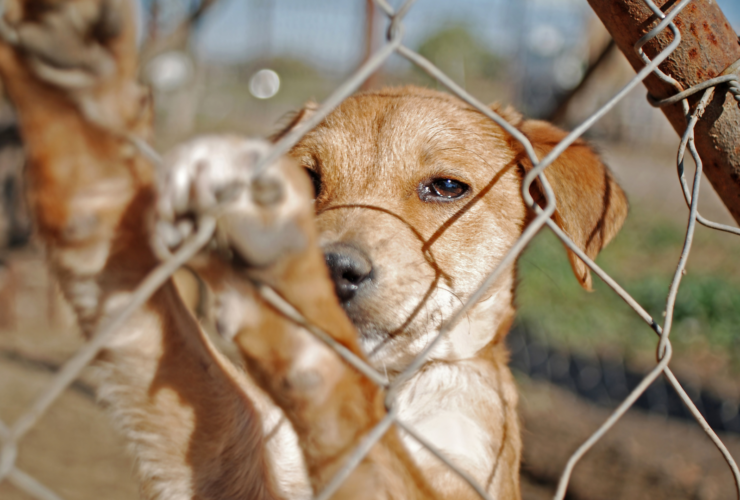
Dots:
pixel 447 188
pixel 316 180
pixel 442 190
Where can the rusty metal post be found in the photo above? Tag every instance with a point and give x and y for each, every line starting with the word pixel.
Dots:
pixel 708 47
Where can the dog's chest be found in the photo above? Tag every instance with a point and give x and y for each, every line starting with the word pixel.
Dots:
pixel 450 405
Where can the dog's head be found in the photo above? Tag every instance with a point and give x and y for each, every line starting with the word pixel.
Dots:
pixel 418 199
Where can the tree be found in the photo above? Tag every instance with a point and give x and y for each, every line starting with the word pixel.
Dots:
pixel 461 54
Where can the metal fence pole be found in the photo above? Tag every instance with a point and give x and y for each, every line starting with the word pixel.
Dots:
pixel 709 46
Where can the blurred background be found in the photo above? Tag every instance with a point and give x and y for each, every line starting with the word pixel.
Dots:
pixel 243 65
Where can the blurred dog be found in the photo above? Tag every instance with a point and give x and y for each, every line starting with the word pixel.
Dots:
pixel 412 197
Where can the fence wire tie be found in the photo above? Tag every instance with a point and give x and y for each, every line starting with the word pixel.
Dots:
pixel 728 77
pixel 731 80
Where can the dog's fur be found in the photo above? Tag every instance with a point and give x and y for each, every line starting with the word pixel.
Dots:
pixel 201 428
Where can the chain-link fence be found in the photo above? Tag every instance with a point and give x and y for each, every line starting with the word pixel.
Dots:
pixel 12 435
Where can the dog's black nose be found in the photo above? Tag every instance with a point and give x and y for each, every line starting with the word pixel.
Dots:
pixel 349 268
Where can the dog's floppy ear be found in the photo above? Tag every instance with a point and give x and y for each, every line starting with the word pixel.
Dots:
pixel 591 206
pixel 295 119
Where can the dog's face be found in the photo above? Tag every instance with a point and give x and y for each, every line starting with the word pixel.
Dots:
pixel 417 200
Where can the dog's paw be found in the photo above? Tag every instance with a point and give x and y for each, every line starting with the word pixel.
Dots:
pixel 81 50
pixel 259 218
pixel 66 43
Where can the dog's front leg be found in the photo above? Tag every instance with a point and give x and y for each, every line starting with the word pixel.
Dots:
pixel 266 233
pixel 69 68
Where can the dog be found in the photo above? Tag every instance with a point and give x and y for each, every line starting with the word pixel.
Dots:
pixel 376 228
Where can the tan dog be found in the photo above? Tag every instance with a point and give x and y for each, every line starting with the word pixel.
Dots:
pixel 417 198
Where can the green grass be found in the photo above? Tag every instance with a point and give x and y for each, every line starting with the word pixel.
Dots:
pixel 642 259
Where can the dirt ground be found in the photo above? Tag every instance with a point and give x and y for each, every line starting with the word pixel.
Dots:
pixel 74 451
pixel 645 456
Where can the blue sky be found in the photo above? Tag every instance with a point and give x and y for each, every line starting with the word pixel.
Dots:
pixel 731 8
pixel 329 33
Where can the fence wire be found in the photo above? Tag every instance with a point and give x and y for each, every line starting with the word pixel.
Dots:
pixel 10 436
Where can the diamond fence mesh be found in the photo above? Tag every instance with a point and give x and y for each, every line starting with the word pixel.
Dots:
pixel 12 435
